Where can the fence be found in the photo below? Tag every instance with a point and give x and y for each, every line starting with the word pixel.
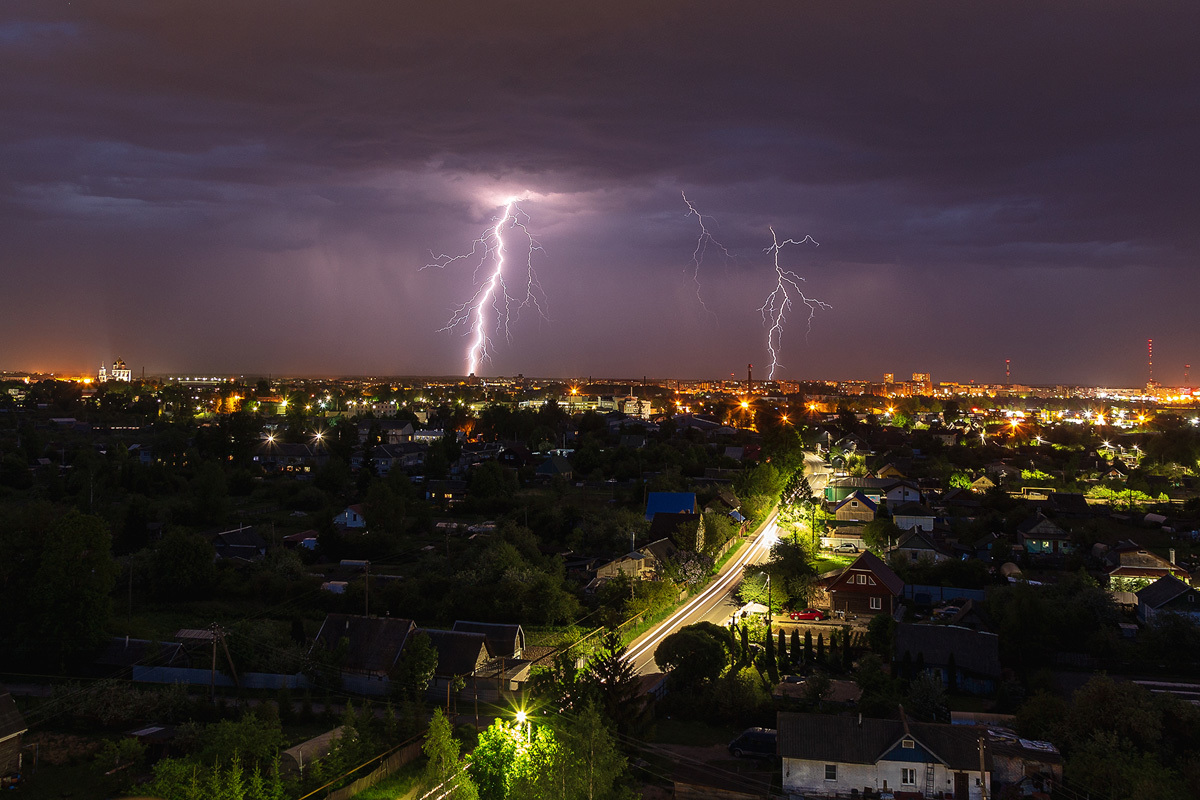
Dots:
pixel 932 595
pixel 204 677
pixel 405 755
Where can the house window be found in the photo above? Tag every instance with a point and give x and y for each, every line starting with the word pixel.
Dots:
pixel 862 579
pixel 908 776
pixel 854 504
pixel 908 744
pixel 876 603
pixel 831 772
pixel 870 580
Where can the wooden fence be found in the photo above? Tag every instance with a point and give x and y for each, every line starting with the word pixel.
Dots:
pixel 405 754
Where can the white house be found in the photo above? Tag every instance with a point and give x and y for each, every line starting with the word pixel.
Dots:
pixel 352 517
pixel 827 756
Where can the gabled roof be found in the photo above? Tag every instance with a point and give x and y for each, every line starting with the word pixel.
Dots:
pixel 459 652
pixel 917 539
pixel 977 652
pixel 862 499
pixel 554 465
pixel 1039 525
pixel 1162 591
pixel 501 637
pixel 666 525
pixel 11 721
pixel 661 550
pixel 822 737
pixel 374 643
pixel 912 509
pixel 869 561
pixel 670 503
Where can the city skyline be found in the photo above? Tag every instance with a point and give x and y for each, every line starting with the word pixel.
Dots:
pixel 252 189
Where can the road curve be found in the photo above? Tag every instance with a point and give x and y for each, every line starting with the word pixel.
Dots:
pixel 714 604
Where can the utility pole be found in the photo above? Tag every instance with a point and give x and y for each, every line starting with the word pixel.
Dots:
pixel 983 776
pixel 212 683
pixel 367 591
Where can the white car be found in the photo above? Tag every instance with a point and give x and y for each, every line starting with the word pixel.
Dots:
pixel 845 547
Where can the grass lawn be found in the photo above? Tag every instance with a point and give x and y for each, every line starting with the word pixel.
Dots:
pixel 694 734
pixel 828 561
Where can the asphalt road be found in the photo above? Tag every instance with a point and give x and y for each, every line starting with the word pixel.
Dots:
pixel 715 604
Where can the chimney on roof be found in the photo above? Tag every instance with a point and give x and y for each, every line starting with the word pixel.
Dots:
pixel 1171 553
pixel 860 719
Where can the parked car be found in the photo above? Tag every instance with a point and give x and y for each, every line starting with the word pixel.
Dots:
pixel 754 743
pixel 845 547
pixel 809 614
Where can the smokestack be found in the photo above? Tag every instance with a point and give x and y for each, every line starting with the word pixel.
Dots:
pixel 749 378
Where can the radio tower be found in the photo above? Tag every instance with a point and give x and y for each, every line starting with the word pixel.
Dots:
pixel 1187 368
pixel 1150 355
pixel 1007 376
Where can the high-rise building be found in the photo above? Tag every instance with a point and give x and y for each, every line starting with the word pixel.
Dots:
pixel 889 377
pixel 920 377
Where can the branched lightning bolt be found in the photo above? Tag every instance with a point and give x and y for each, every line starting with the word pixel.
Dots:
pixel 703 242
pixel 493 291
pixel 779 301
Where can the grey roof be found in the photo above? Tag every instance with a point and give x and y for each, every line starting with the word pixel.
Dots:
pixel 11 721
pixel 459 652
pixel 501 637
pixel 870 561
pixel 822 737
pixel 374 643
pixel 976 652
pixel 913 509
pixel 1162 591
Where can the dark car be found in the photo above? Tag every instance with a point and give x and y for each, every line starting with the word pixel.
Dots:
pixel 754 743
pixel 809 614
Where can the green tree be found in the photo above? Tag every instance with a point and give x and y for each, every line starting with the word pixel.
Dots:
pixel 70 599
pixel 181 567
pixel 415 668
pixel 613 678
pixel 694 654
pixel 446 772
pixel 879 533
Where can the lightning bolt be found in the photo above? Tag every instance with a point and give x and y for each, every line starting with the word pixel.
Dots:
pixel 774 310
pixel 703 242
pixel 492 293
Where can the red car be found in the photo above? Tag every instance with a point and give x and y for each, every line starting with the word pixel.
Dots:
pixel 809 614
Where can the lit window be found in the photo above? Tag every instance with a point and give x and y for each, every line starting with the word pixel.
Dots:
pixel 908 776
pixel 831 772
pixel 876 604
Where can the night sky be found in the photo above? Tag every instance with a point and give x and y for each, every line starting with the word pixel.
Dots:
pixel 254 187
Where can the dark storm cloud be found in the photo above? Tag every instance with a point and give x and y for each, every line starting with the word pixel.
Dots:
pixel 274 173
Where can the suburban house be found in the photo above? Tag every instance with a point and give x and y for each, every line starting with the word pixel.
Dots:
pixel 1038 536
pixel 12 728
pixel 895 492
pixel 913 515
pixel 363 647
pixel 961 657
pixel 670 503
pixel 402 456
pixel 634 564
pixel 856 508
pixel 242 543
pixel 290 457
pixel 506 641
pixel 306 539
pixel 889 470
pixel 686 531
pixel 1129 561
pixel 983 484
pixel 866 586
pixel 351 517
pixel 460 653
pixel 1168 595
pixel 917 545
pixel 448 492
pixel 826 756
pixel 555 466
